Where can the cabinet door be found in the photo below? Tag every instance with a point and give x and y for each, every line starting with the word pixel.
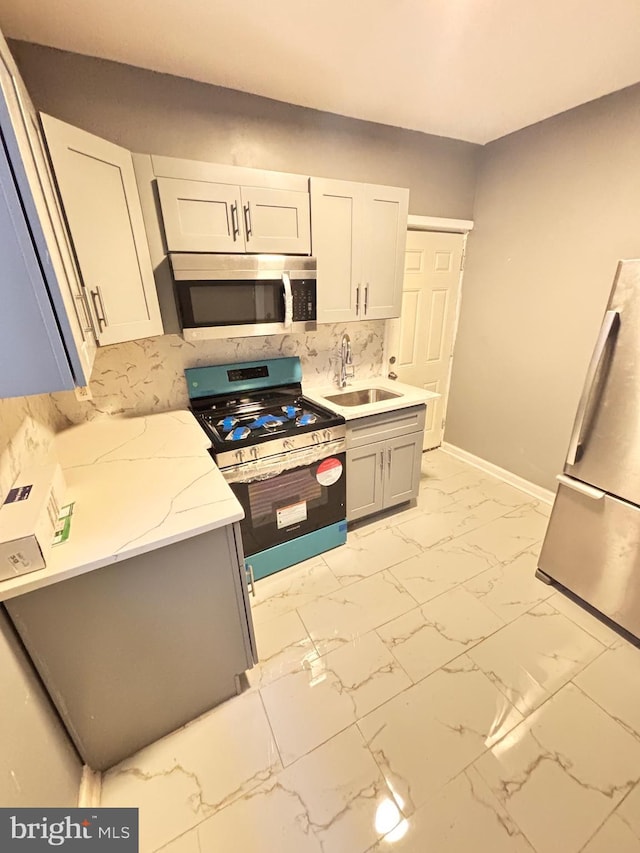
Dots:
pixel 201 217
pixel 402 461
pixel 365 466
pixel 33 179
pixel 31 349
pixel 276 221
pixel 100 200
pixel 385 214
pixel 336 243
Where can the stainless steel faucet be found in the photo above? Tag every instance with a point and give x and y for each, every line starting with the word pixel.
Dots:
pixel 346 361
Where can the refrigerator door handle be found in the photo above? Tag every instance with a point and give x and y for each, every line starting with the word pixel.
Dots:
pixel 582 488
pixel 608 325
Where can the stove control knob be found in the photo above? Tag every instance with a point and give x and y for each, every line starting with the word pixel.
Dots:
pixel 240 455
pixel 326 435
pixel 315 438
pixel 254 452
pixel 287 444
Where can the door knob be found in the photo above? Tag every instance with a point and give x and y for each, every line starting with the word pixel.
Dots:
pixel 393 375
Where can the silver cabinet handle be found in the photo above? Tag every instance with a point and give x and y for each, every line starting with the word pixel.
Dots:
pixel 610 322
pixel 366 298
pixel 87 328
pixel 357 300
pixel 392 375
pixel 247 220
pixel 581 488
pixel 382 460
pixel 251 580
pixel 101 315
pixel 389 456
pixel 235 225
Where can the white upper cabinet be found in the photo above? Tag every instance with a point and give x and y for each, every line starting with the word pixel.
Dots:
pixel 385 217
pixel 337 241
pixel 358 238
pixel 100 200
pixel 200 217
pixel 203 216
pixel 276 221
pixel 62 321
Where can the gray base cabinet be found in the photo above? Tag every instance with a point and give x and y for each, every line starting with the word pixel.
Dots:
pixel 384 454
pixel 134 650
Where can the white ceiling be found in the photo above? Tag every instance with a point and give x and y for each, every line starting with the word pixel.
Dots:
pixel 467 69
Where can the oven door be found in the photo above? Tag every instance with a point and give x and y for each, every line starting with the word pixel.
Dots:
pixel 284 500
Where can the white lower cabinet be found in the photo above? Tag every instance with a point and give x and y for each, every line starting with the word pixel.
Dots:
pixel 384 454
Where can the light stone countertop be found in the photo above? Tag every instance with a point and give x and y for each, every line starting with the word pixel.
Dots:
pixel 138 484
pixel 410 395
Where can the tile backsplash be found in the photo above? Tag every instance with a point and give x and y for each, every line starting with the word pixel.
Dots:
pixel 27 427
pixel 144 376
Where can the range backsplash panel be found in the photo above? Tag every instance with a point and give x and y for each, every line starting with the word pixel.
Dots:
pixel 144 376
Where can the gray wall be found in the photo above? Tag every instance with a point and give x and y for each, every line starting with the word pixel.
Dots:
pixel 38 765
pixel 557 205
pixel 160 114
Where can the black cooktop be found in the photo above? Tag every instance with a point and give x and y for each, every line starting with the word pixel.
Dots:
pixel 251 419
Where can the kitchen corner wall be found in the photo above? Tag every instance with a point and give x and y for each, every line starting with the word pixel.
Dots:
pixel 557 205
pixel 145 376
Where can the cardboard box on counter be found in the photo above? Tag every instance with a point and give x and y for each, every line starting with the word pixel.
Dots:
pixel 28 519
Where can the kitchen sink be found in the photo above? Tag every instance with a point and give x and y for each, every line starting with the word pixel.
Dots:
pixel 362 397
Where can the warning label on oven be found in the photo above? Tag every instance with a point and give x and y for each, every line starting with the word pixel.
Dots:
pixel 329 471
pixel 292 514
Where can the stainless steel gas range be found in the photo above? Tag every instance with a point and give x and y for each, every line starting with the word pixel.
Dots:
pixel 282 455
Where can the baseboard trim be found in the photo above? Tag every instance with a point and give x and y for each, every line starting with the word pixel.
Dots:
pixel 90 790
pixel 544 495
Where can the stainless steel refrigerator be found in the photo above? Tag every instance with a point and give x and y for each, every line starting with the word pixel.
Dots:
pixel 592 545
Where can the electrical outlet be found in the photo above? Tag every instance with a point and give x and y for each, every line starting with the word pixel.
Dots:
pixel 83 393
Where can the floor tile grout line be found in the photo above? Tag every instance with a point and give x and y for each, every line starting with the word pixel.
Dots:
pixel 558 591
pixel 273 734
pixel 419 607
pixel 627 728
pixel 193 829
pixel 424 550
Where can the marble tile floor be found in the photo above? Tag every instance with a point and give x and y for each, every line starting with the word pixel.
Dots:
pixel 418 690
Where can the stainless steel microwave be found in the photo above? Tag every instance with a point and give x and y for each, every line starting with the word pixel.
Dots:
pixel 223 296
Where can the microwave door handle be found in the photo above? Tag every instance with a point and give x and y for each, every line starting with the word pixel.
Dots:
pixel 288 300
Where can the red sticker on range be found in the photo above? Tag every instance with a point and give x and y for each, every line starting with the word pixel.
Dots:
pixel 329 471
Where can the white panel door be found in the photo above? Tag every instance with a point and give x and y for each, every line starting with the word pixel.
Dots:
pixel 337 246
pixel 276 221
pixel 100 199
pixel 421 340
pixel 385 211
pixel 200 217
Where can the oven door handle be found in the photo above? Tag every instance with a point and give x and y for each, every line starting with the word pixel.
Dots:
pixel 288 300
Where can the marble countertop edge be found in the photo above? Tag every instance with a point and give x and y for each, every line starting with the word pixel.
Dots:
pixel 114 518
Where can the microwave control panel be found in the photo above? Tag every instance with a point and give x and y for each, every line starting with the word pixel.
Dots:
pixel 304 299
